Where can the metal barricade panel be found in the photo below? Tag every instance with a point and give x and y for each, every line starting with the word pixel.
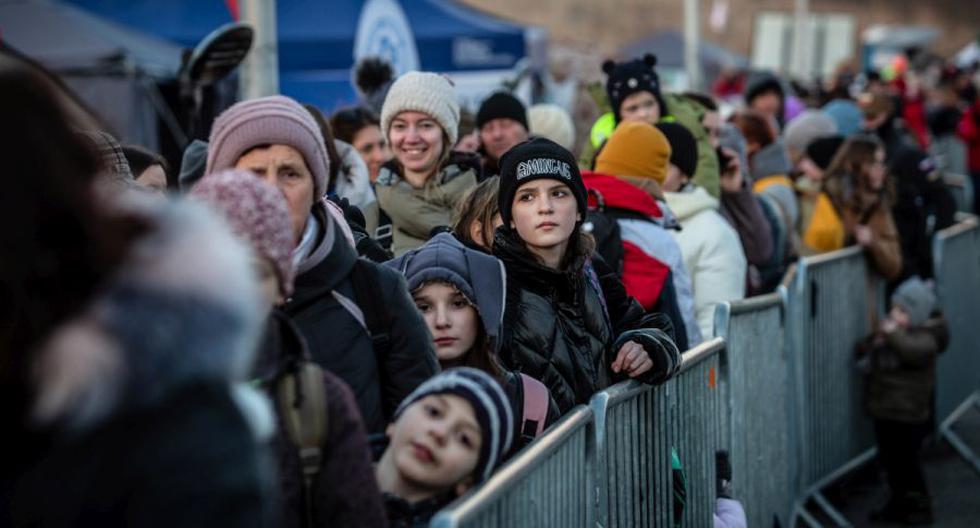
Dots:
pixel 548 484
pixel 636 428
pixel 833 296
pixel 957 269
pixel 760 425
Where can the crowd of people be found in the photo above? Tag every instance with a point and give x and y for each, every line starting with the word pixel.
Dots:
pixel 352 319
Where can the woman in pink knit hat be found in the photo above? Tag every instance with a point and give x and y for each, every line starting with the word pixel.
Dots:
pixel 258 214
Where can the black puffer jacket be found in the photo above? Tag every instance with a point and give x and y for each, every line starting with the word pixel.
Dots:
pixel 556 328
pixel 340 343
pixel 917 199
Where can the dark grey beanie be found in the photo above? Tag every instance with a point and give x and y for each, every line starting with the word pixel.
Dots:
pixel 917 298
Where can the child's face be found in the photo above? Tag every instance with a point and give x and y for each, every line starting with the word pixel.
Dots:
pixel 435 443
pixel 451 319
pixel 641 107
pixel 545 213
pixel 899 315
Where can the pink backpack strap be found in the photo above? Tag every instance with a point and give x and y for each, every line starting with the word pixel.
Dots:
pixel 535 406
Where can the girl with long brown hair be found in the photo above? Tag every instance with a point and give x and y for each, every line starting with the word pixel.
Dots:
pixel 858 186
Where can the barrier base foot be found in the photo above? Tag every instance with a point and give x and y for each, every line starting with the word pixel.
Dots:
pixel 954 439
pixel 807 519
pixel 828 508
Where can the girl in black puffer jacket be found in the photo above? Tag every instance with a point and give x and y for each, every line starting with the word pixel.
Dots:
pixel 568 320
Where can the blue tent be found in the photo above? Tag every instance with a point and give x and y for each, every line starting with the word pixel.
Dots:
pixel 318 39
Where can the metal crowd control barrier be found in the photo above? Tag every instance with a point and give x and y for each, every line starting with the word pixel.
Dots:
pixel 636 428
pixel 956 256
pixel 760 430
pixel 785 396
pixel 828 313
pixel 549 483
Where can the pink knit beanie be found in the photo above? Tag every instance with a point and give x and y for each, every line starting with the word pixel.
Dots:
pixel 256 212
pixel 273 120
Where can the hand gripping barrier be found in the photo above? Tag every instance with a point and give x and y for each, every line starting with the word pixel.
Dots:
pixel 956 257
pixel 760 430
pixel 830 302
pixel 549 483
pixel 636 427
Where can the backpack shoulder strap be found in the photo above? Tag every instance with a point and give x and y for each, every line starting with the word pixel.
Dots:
pixel 535 406
pixel 369 298
pixel 301 399
pixel 592 278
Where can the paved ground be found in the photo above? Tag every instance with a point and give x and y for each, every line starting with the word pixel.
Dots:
pixel 955 486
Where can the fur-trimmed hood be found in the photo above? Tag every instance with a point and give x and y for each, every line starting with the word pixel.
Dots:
pixel 183 308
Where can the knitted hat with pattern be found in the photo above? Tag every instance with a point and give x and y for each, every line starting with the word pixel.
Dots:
pixel 256 212
pixel 491 407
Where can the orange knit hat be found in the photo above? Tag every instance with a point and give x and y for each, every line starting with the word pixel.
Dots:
pixel 635 149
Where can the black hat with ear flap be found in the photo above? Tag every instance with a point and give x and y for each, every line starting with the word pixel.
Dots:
pixel 627 78
pixel 536 159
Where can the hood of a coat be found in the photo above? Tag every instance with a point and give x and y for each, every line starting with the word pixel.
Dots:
pixel 183 308
pixel 769 160
pixel 688 203
pixel 619 194
pixel 478 276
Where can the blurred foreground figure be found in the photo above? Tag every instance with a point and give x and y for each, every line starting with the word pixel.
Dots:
pixel 123 330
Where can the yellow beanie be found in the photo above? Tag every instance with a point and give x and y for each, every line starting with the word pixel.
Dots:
pixel 635 149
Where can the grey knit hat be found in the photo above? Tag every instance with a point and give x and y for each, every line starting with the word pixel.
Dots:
pixel 429 93
pixel 917 298
pixel 490 404
pixel 805 128
pixel 273 120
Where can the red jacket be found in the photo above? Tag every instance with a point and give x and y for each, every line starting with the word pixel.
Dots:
pixel 643 274
pixel 914 113
pixel 969 131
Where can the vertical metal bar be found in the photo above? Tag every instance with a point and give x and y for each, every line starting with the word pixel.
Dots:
pixel 259 73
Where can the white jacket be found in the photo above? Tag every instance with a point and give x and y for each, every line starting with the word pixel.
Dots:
pixel 654 240
pixel 713 255
pixel 353 180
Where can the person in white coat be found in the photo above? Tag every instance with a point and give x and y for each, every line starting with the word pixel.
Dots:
pixel 712 252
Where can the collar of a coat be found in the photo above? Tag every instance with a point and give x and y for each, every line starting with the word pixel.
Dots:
pixel 334 263
pixel 529 272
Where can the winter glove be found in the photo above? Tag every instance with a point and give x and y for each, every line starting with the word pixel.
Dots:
pixel 723 475
pixel 661 349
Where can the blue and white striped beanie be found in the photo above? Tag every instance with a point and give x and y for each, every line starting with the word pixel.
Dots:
pixel 490 405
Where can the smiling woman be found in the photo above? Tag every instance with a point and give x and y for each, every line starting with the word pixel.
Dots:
pixel 420 188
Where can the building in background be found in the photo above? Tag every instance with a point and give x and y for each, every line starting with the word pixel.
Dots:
pixel 760 29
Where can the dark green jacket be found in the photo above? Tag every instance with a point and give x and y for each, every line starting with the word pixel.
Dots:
pixel 902 370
